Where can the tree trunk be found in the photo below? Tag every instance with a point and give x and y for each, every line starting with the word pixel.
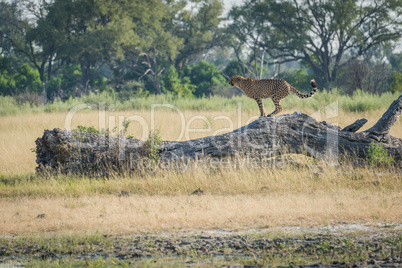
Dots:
pixel 86 70
pixel 264 138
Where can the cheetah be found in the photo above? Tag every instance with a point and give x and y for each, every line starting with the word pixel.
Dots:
pixel 276 89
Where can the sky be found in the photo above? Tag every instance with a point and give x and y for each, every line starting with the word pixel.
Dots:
pixel 229 3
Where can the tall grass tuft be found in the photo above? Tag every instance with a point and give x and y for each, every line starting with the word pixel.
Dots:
pixel 362 101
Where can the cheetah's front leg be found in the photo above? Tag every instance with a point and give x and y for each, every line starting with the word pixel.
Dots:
pixel 261 107
pixel 278 108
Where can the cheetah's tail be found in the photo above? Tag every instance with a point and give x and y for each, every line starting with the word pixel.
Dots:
pixel 305 96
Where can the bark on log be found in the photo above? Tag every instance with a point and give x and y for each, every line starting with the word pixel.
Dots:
pixel 384 125
pixel 266 137
pixel 355 126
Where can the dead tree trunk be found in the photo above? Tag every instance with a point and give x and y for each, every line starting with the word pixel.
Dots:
pixel 267 137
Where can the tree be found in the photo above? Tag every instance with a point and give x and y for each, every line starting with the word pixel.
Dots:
pixel 7 11
pixel 155 48
pixel 298 78
pixel 18 80
pixel 396 76
pixel 172 83
pixel 204 76
pixel 90 32
pixel 364 74
pixel 160 45
pixel 396 61
pixel 319 33
pixel 27 79
pixel 396 82
pixel 198 27
pixel 232 69
pixel 181 37
pixel 244 36
pixel 17 22
pixel 7 82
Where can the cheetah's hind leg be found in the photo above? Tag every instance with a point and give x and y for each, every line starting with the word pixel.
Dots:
pixel 278 108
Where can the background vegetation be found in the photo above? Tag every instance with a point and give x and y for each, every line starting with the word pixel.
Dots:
pixel 57 50
pixel 129 55
pixel 359 101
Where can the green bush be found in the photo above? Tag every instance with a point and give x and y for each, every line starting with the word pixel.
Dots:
pixel 378 155
pixel 233 68
pixel 132 89
pixel 27 79
pixel 204 76
pixel 7 82
pixel 396 82
pixel 66 81
pixel 85 129
pixel 299 79
pixel 172 83
pixel 23 79
pixel 151 149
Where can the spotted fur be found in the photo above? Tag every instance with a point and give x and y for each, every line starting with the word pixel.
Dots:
pixel 276 89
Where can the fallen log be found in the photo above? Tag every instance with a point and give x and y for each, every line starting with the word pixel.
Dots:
pixel 75 152
pixel 358 124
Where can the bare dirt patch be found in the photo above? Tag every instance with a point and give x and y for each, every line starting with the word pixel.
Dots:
pixel 338 246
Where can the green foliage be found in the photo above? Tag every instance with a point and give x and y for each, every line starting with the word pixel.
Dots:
pixel 172 83
pixel 7 82
pixel 396 82
pixel 233 68
pixel 85 129
pixel 69 79
pixel 75 47
pixel 298 78
pixel 204 76
pixel 88 32
pixel 30 98
pixel 396 77
pixel 396 61
pixel 201 31
pixel 24 79
pixel 320 33
pixel 8 106
pixel 107 132
pixel 125 125
pixel 27 79
pixel 132 89
pixel 151 149
pixel 378 155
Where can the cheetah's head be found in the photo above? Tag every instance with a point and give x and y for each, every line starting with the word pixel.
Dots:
pixel 235 80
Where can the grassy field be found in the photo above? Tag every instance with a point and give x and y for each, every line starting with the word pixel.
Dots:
pixel 19 132
pixel 311 194
pixel 358 102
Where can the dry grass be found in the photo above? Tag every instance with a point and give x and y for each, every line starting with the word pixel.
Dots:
pixel 157 213
pixel 223 181
pixel 18 133
pixel 235 198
